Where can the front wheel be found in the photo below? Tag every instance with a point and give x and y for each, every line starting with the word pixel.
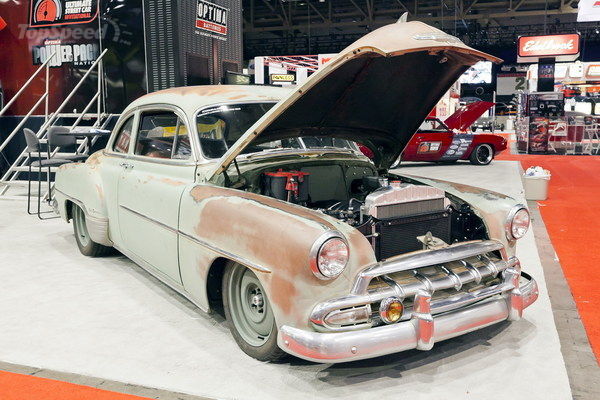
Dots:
pixel 249 314
pixel 86 245
pixel 483 154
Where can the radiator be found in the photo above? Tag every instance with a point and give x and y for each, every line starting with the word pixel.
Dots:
pixel 399 235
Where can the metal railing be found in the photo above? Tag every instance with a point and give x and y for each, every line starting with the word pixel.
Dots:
pixel 45 65
pixel 12 173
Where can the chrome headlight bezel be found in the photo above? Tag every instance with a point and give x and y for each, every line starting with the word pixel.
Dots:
pixel 315 252
pixel 510 217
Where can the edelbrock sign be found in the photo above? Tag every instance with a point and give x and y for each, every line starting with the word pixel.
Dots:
pixel 548 46
pixel 212 18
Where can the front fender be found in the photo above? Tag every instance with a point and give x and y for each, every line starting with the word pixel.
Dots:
pixel 273 238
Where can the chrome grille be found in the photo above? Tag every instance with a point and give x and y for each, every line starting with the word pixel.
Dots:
pixel 454 276
pixel 432 281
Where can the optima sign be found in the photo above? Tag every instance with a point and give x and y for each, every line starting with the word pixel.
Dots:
pixel 549 46
pixel 212 18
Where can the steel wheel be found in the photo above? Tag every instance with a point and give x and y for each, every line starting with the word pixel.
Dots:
pixel 81 231
pixel 249 307
pixel 482 155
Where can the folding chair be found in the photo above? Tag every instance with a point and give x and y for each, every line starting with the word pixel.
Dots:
pixel 60 136
pixel 34 146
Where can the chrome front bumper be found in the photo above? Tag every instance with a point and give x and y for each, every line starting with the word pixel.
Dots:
pixel 421 332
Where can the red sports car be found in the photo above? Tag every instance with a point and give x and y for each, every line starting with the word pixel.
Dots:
pixel 449 141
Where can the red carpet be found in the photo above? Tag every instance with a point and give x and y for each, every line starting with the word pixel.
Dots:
pixel 572 218
pixel 26 387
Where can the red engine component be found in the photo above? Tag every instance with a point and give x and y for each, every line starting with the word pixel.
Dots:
pixel 291 186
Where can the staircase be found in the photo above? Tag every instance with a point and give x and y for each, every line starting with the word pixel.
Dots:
pixel 93 115
pixel 591 139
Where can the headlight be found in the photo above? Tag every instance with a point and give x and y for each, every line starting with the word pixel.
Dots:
pixel 517 222
pixel 329 256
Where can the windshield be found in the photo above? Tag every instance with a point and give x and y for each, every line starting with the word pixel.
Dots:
pixel 220 127
pixel 433 124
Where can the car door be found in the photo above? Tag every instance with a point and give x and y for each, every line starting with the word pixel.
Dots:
pixel 152 182
pixel 115 155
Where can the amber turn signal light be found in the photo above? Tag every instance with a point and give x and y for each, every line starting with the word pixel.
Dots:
pixel 390 310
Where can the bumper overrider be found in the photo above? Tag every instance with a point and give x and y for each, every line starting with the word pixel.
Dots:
pixel 428 321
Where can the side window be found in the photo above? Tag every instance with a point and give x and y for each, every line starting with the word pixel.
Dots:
pixel 162 134
pixel 121 144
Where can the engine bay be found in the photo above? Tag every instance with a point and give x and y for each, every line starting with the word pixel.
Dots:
pixel 397 215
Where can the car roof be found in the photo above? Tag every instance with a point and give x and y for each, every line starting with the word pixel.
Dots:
pixel 191 98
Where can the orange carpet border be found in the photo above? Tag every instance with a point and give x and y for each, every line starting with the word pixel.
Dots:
pixel 26 387
pixel 572 217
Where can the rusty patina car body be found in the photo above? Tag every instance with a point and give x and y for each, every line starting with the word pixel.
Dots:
pixel 443 254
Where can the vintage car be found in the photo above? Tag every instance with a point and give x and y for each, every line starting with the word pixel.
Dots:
pixel 450 141
pixel 315 251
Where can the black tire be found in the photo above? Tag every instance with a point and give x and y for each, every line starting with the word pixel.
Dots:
pixel 267 351
pixel 483 154
pixel 87 246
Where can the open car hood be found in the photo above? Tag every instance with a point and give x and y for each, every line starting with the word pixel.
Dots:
pixel 376 92
pixel 464 116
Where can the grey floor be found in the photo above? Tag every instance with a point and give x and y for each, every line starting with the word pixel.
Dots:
pixel 107 319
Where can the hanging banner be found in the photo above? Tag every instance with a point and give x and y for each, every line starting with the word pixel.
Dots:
pixel 562 47
pixel 61 12
pixel 211 19
pixel 589 10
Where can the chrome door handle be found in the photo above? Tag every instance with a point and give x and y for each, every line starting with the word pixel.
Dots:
pixel 126 165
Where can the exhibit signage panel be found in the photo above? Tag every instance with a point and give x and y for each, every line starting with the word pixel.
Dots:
pixel 283 78
pixel 511 83
pixel 77 54
pixel 212 19
pixel 593 71
pixel 61 12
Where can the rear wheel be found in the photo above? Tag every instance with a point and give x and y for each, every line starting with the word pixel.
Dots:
pixel 86 245
pixel 483 154
pixel 249 314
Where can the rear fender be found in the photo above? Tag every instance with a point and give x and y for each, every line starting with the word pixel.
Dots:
pixel 81 184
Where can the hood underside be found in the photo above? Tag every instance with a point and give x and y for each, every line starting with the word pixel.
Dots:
pixel 375 92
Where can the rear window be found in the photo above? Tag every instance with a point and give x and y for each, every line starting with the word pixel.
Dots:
pixel 162 134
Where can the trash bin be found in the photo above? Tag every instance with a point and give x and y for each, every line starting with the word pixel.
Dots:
pixel 535 183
